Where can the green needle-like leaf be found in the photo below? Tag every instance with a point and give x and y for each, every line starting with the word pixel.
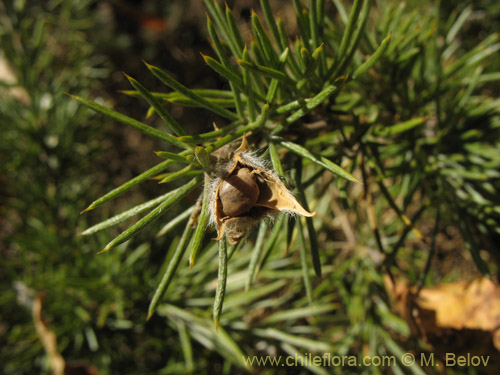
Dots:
pixel 254 294
pixel 203 137
pixel 158 107
pixel 298 313
pixel 256 255
pixel 175 221
pixel 320 160
pixel 202 224
pixel 313 22
pixel 400 128
pixel 225 72
pixel 173 156
pixel 187 348
pixel 342 11
pixel 172 83
pixel 339 66
pixel 217 46
pixel 313 241
pixel 313 238
pixel 271 242
pixel 130 184
pixel 153 215
pixel 309 105
pixel 188 171
pixel 285 43
pixel 263 41
pixel 221 21
pixel 273 87
pixel 302 342
pixel 203 158
pixel 290 232
pixel 182 100
pixel 221 283
pixel 170 272
pixel 241 131
pixel 303 260
pixel 394 348
pixel 133 182
pixel 131 122
pixel 174 95
pixel 484 49
pixel 301 20
pixel 276 161
pixel 271 23
pixel 373 58
pixel 464 16
pixel 234 33
pixel 273 73
pixel 127 214
pixel 248 82
pixel 353 17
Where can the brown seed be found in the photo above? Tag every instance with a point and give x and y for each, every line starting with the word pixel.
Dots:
pixel 238 193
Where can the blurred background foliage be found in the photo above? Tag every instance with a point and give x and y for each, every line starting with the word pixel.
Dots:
pixel 56 157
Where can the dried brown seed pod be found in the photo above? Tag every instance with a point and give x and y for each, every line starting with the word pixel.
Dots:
pixel 238 193
pixel 245 192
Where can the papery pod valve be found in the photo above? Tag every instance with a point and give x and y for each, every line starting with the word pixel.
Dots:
pixel 244 191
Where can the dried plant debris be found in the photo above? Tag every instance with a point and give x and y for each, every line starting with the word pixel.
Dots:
pixel 49 341
pixel 462 318
pixel 244 191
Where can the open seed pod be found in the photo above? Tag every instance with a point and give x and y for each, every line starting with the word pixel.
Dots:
pixel 245 192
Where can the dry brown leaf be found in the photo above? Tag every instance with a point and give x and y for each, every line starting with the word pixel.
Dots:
pixel 49 342
pixel 47 337
pixel 8 76
pixel 462 318
pixel 459 305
